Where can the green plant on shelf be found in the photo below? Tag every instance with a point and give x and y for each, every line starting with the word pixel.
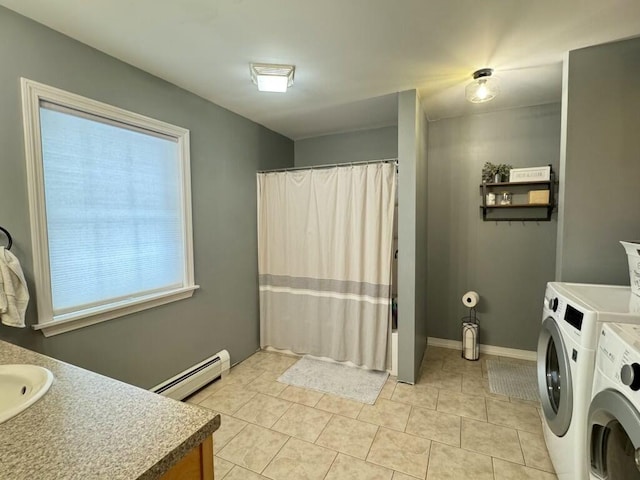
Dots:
pixel 495 172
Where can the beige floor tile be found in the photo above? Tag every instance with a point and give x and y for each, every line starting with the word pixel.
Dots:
pixel 441 352
pixel 402 476
pixel 229 428
pixel 299 460
pixel 228 399
pixel 471 406
pixel 221 467
pixel 349 468
pixel 387 414
pixel 256 358
pixel 279 364
pixel 339 405
pixel 400 451
pixel 271 361
pixel 201 394
pixel 451 463
pixel 263 410
pixel 475 385
pixel 483 363
pixel 491 440
pixel 437 426
pixel 519 401
pixel 485 356
pixel 267 384
pixel 240 375
pixel 460 365
pixel 535 451
pixel 388 387
pixel 514 415
pixel 435 353
pixel 431 365
pixel 423 396
pixel 485 370
pixel 304 396
pixel 441 379
pixel 347 435
pixel 531 363
pixel 302 422
pixel 250 388
pixel 253 448
pixel 510 471
pixel 239 473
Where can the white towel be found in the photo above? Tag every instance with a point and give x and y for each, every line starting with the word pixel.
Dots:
pixel 14 295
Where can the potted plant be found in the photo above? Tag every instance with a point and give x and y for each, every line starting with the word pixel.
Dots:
pixel 495 172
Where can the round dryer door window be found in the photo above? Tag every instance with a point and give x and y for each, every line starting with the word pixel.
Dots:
pixel 554 378
pixel 553 375
pixel 614 437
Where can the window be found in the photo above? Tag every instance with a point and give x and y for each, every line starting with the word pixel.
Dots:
pixel 109 198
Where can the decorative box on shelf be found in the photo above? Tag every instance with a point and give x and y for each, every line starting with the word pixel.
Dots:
pixel 533 174
pixel 538 197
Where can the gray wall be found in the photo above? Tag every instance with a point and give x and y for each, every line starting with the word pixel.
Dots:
pixel 600 192
pixel 226 150
pixel 412 235
pixel 375 144
pixel 508 263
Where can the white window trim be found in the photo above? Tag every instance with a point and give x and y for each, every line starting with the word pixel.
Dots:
pixel 32 94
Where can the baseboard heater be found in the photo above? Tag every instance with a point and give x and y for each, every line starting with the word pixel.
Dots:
pixel 194 378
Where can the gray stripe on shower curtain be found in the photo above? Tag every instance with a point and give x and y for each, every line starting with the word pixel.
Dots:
pixel 325 285
pixel 324 261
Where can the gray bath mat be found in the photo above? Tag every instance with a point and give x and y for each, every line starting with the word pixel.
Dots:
pixel 513 379
pixel 341 380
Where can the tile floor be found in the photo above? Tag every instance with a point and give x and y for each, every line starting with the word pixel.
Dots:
pixel 447 426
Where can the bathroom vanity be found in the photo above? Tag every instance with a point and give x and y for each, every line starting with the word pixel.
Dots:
pixel 89 426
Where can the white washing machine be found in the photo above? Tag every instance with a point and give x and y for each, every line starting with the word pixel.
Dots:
pixel 571 321
pixel 613 424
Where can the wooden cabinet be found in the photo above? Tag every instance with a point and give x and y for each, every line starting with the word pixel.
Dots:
pixel 519 209
pixel 195 465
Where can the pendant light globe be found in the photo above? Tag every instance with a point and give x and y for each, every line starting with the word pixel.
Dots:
pixel 484 86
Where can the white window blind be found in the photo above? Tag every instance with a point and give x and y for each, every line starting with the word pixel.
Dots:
pixel 109 197
pixel 113 210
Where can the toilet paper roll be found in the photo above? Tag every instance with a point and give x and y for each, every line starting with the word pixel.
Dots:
pixel 470 299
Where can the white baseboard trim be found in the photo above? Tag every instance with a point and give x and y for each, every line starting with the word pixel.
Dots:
pixel 488 349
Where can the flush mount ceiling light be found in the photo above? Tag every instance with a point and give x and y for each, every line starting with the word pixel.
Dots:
pixel 483 88
pixel 272 78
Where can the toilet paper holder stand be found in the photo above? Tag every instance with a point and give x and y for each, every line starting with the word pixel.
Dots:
pixel 470 336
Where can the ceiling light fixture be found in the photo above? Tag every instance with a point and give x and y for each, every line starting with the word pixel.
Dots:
pixel 483 88
pixel 272 78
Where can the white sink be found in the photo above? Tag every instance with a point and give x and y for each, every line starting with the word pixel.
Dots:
pixel 20 387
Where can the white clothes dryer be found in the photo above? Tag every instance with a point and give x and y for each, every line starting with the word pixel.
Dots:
pixel 613 445
pixel 571 322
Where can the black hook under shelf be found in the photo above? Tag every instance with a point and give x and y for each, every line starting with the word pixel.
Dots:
pixel 8 235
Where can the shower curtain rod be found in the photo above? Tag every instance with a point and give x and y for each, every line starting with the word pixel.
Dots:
pixel 318 167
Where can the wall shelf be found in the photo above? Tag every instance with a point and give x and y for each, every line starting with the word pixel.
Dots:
pixel 518 189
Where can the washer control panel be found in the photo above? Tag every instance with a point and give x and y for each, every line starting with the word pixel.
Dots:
pixel 563 310
pixel 618 356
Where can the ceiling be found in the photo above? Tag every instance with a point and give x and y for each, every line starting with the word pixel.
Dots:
pixel 351 56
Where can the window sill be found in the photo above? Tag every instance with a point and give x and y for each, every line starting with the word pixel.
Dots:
pixel 74 321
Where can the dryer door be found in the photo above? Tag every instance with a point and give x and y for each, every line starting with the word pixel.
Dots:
pixel 554 378
pixel 614 437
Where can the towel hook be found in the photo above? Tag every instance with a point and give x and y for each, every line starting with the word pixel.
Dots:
pixel 8 235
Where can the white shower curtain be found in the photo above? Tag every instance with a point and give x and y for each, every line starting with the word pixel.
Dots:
pixel 324 261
